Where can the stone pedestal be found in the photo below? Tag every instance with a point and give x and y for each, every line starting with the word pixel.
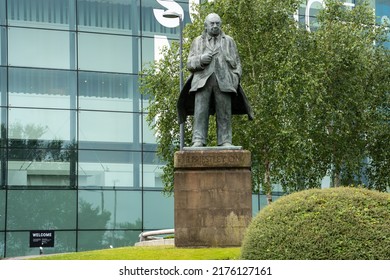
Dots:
pixel 213 197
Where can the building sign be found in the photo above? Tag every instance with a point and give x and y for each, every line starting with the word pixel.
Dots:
pixel 41 238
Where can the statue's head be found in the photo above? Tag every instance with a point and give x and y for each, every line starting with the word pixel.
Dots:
pixel 213 24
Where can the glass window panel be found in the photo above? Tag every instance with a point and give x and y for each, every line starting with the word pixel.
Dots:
pixel 110 210
pixel 95 240
pixel 95 127
pixel 263 201
pixel 382 11
pixel 41 48
pixel 2 212
pixel 3 87
pixel 109 53
pixel 2 12
pixel 36 166
pixel 158 211
pixel 59 14
pixel 3 46
pixel 255 204
pixel 3 168
pixel 42 88
pixel 152 47
pixel 105 91
pixel 3 118
pixel 149 135
pixel 109 169
pixel 41 209
pixel 2 245
pixel 152 171
pixel 41 124
pixel 110 16
pixel 18 244
pixel 153 23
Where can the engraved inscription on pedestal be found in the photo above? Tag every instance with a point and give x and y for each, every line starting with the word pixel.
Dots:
pixel 213 159
pixel 213 197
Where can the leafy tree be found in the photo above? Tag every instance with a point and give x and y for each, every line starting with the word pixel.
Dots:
pixel 319 98
pixel 351 106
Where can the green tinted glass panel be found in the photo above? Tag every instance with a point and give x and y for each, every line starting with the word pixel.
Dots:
pixel 42 124
pixel 96 128
pixel 110 16
pixel 2 212
pixel 41 48
pixel 42 88
pixel 109 169
pixel 3 46
pixel 2 244
pixel 108 53
pixel 158 211
pixel 41 209
pixel 58 14
pixel 152 171
pixel 110 210
pixel 105 91
pixel 2 12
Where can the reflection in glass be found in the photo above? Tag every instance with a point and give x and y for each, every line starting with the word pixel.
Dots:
pixel 18 244
pixel 49 167
pixel 95 127
pixel 2 244
pixel 2 14
pixel 3 88
pixel 46 48
pixel 109 53
pixel 59 14
pixel 149 135
pixel 3 46
pixel 42 88
pixel 3 168
pixel 111 16
pixel 95 240
pixel 3 144
pixel 2 212
pixel 109 169
pixel 382 11
pixel 110 210
pixel 152 47
pixel 104 91
pixel 158 210
pixel 41 209
pixel 39 124
pixel 152 171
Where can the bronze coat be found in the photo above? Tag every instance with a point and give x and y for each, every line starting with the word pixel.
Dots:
pixel 228 74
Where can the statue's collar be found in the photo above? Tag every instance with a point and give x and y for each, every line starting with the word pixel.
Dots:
pixel 208 37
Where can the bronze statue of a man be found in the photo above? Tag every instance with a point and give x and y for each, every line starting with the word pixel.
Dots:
pixel 214 86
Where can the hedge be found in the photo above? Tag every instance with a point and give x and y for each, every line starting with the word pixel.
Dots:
pixel 335 224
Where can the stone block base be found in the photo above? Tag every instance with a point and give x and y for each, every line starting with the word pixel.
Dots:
pixel 213 197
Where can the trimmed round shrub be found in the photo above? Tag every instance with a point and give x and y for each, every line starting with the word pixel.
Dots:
pixel 329 224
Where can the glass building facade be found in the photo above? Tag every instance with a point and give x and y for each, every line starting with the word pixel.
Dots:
pixel 76 154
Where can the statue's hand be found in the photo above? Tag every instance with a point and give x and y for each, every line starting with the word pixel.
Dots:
pixel 206 58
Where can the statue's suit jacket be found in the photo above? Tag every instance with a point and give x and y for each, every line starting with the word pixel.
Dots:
pixel 225 65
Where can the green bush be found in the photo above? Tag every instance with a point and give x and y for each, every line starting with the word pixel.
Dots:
pixel 330 224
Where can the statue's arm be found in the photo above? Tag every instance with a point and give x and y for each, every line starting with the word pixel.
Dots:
pixel 194 58
pixel 237 61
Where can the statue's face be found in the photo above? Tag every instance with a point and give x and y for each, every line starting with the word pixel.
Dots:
pixel 213 25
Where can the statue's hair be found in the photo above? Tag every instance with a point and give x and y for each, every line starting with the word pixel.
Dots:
pixel 209 16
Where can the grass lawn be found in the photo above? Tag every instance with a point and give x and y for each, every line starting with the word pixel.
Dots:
pixel 150 253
